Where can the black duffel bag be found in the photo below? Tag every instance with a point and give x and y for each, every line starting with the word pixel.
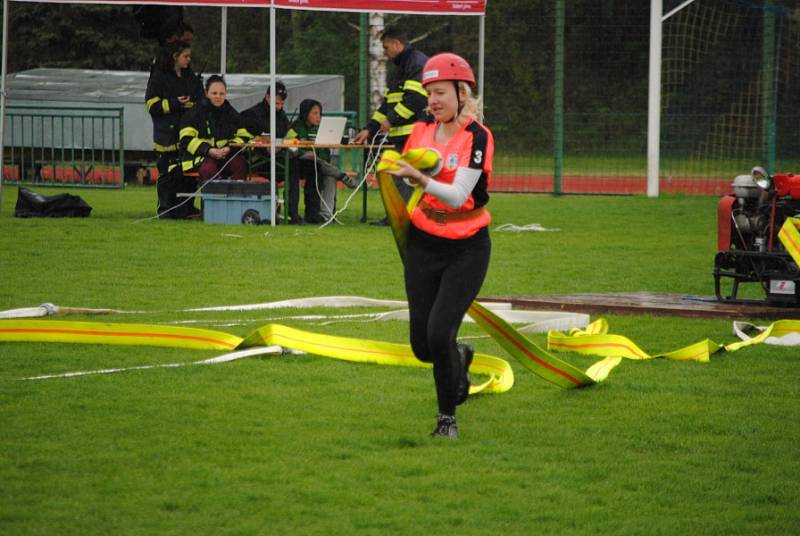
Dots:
pixel 33 205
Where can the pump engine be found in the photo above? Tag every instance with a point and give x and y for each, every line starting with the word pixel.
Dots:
pixel 749 250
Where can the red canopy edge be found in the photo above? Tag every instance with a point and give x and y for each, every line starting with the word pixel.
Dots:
pixel 418 7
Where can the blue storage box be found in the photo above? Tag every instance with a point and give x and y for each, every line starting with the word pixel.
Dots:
pixel 234 209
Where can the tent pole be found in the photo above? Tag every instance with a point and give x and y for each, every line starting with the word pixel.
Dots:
pixel 272 137
pixel 654 99
pixel 363 97
pixel 481 41
pixel 363 62
pixel 3 69
pixel 223 46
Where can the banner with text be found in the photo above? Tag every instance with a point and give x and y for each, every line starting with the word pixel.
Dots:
pixel 422 7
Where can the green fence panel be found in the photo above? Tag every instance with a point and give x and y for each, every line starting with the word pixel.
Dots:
pixel 75 146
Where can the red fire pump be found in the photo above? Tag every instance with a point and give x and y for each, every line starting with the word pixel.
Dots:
pixel 748 222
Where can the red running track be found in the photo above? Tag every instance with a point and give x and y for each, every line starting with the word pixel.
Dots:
pixel 609 185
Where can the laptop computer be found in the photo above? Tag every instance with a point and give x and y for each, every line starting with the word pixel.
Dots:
pixel 331 130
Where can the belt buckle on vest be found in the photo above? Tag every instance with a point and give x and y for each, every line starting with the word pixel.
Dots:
pixel 439 216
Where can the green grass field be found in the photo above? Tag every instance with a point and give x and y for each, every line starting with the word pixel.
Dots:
pixel 308 445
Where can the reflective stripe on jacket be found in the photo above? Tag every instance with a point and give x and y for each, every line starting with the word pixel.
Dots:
pixel 205 127
pixel 161 102
pixel 405 99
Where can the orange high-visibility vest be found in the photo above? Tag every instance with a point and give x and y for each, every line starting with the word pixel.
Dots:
pixel 471 147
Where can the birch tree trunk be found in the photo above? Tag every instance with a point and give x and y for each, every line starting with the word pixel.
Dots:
pixel 377 61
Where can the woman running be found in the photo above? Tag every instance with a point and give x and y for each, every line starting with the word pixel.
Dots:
pixel 448 244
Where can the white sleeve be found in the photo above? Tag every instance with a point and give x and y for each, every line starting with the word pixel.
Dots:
pixel 455 194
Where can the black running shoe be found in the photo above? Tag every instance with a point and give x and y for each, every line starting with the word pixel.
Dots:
pixel 466 353
pixel 445 427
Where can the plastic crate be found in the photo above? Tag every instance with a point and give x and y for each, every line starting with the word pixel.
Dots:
pixel 235 209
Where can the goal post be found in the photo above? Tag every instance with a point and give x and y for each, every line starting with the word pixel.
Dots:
pixel 722 79
pixel 654 100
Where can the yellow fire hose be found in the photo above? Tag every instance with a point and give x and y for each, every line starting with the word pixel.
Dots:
pixel 594 340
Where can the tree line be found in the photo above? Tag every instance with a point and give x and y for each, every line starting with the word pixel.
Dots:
pixel 606 52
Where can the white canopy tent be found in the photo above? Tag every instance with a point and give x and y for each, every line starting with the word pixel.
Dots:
pixel 418 7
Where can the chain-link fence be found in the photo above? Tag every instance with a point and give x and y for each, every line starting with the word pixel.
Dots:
pixel 730 72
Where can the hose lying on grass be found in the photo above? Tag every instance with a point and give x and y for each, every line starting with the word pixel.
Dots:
pixel 593 340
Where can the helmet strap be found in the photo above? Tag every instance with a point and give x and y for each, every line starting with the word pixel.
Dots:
pixel 460 104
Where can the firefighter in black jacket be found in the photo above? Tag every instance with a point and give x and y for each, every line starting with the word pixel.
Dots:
pixel 256 118
pixel 405 99
pixel 206 132
pixel 256 121
pixel 171 90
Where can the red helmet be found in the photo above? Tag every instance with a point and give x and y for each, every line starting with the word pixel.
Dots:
pixel 447 66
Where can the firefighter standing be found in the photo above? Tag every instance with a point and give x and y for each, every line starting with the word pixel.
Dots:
pixel 448 245
pixel 405 99
pixel 172 89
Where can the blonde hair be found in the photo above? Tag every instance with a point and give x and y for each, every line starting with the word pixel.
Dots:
pixel 473 108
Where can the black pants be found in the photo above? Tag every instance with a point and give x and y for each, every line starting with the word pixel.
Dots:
pixel 170 206
pixel 443 277
pixel 260 164
pixel 169 184
pixel 306 169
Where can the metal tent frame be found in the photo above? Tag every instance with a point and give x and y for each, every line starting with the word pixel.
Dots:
pixel 414 7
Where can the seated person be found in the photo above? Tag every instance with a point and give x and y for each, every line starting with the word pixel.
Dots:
pixel 207 129
pixel 314 165
pixel 256 118
pixel 256 121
